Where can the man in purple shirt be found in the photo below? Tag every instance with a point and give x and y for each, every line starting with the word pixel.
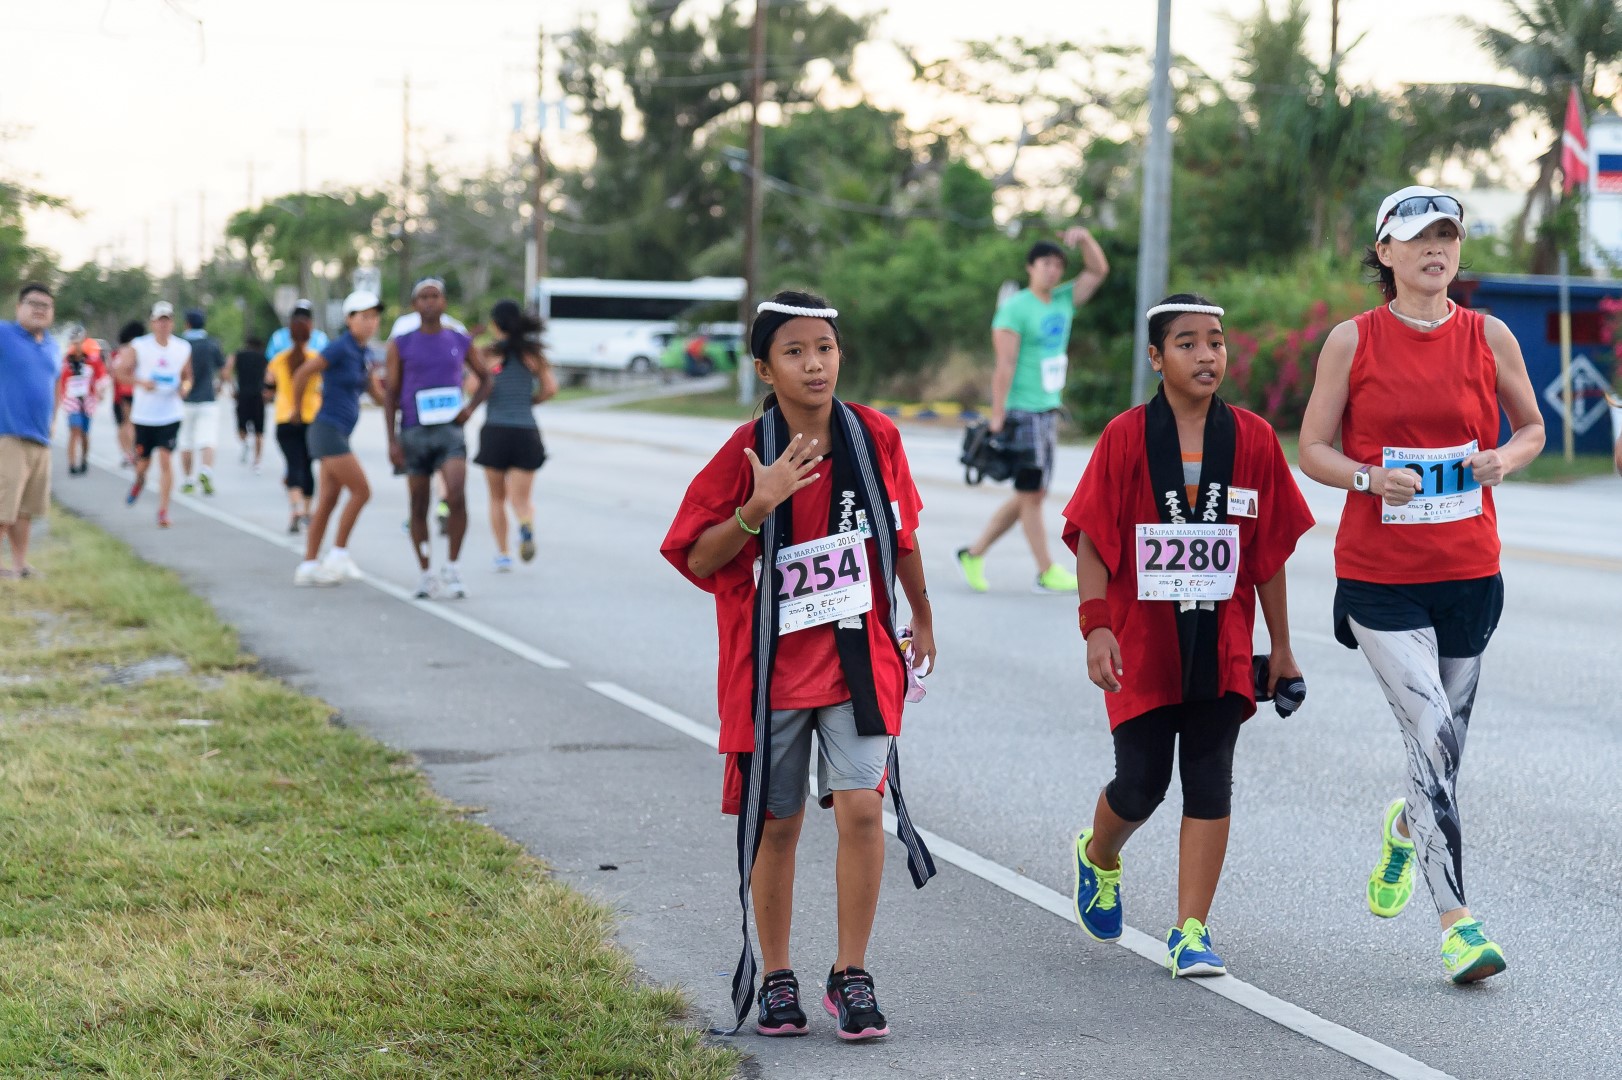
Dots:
pixel 424 386
pixel 28 364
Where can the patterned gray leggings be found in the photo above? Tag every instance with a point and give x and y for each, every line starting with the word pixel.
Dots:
pixel 1432 697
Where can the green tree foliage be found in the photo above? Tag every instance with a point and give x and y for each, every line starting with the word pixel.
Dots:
pixel 284 236
pixel 1551 46
pixel 471 234
pixel 21 261
pixel 102 299
pixel 658 195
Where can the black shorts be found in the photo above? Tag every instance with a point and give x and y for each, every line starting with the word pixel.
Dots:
pixel 1463 613
pixel 121 410
pixel 150 437
pixel 510 448
pixel 250 413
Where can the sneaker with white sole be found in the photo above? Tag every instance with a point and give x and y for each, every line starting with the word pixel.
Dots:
pixel 427 586
pixel 1189 952
pixel 502 564
pixel 450 581
pixel 341 565
pixel 312 572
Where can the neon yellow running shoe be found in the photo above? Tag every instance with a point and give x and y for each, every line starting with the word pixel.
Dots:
pixel 1392 882
pixel 1055 580
pixel 974 570
pixel 1468 955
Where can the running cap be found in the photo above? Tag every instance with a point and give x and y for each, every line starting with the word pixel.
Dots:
pixel 75 333
pixel 361 300
pixel 163 309
pixel 303 307
pixel 1404 214
pixel 195 319
pixel 427 282
pixel 1184 309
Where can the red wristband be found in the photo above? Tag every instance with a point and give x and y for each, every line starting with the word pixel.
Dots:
pixel 1095 616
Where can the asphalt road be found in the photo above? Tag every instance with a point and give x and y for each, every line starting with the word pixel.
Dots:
pixel 1004 758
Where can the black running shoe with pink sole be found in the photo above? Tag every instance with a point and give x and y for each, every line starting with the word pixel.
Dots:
pixel 850 998
pixel 780 1012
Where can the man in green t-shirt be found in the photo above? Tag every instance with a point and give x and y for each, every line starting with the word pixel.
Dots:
pixel 1031 335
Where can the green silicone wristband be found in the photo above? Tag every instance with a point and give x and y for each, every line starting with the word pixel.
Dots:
pixel 742 524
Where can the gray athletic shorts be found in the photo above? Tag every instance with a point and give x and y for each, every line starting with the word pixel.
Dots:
pixel 323 440
pixel 1031 438
pixel 428 448
pixel 846 761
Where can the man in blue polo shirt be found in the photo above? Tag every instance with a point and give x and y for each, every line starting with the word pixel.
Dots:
pixel 28 366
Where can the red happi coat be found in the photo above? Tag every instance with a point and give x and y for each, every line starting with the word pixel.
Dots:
pixel 807 672
pixel 1115 496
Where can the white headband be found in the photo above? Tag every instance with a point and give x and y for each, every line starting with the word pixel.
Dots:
pixel 804 312
pixel 1187 309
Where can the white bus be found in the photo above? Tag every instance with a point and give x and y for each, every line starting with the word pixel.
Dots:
pixel 624 325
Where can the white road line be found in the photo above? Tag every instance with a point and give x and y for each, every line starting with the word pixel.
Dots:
pixel 1376 1055
pixel 498 638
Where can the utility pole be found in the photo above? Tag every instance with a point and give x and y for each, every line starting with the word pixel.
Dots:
pixel 1154 231
pixel 1334 33
pixel 405 190
pixel 303 158
pixel 752 223
pixel 174 240
pixel 202 214
pixel 535 254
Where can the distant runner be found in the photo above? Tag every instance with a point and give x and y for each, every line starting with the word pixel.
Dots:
pixel 200 428
pixel 78 392
pixel 510 447
pixel 247 367
pixel 424 383
pixel 158 365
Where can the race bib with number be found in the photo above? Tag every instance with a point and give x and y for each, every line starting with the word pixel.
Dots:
pixel 438 405
pixel 77 386
pixel 1449 491
pixel 822 581
pixel 1187 562
pixel 166 380
pixel 1054 369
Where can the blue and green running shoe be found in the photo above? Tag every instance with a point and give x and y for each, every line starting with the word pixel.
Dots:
pixel 1468 955
pixel 1392 882
pixel 1097 894
pixel 1189 952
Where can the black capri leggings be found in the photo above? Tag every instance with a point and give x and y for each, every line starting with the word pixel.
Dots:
pixel 290 437
pixel 1204 734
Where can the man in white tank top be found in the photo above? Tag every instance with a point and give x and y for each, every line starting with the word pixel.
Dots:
pixel 158 365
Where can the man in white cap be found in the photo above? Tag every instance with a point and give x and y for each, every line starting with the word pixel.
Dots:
pixel 412 320
pixel 158 365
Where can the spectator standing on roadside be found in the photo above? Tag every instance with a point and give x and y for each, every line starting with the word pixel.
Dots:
pixel 200 427
pixel 1031 334
pixel 27 372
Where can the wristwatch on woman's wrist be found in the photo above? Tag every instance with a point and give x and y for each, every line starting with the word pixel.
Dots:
pixel 1361 479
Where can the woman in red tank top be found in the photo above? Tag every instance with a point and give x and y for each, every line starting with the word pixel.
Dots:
pixel 1412 390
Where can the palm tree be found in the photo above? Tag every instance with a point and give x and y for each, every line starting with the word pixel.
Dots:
pixel 1551 45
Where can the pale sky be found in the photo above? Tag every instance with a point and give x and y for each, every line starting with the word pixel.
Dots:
pixel 155 127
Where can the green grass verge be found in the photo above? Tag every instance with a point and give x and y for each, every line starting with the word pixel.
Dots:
pixel 269 895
